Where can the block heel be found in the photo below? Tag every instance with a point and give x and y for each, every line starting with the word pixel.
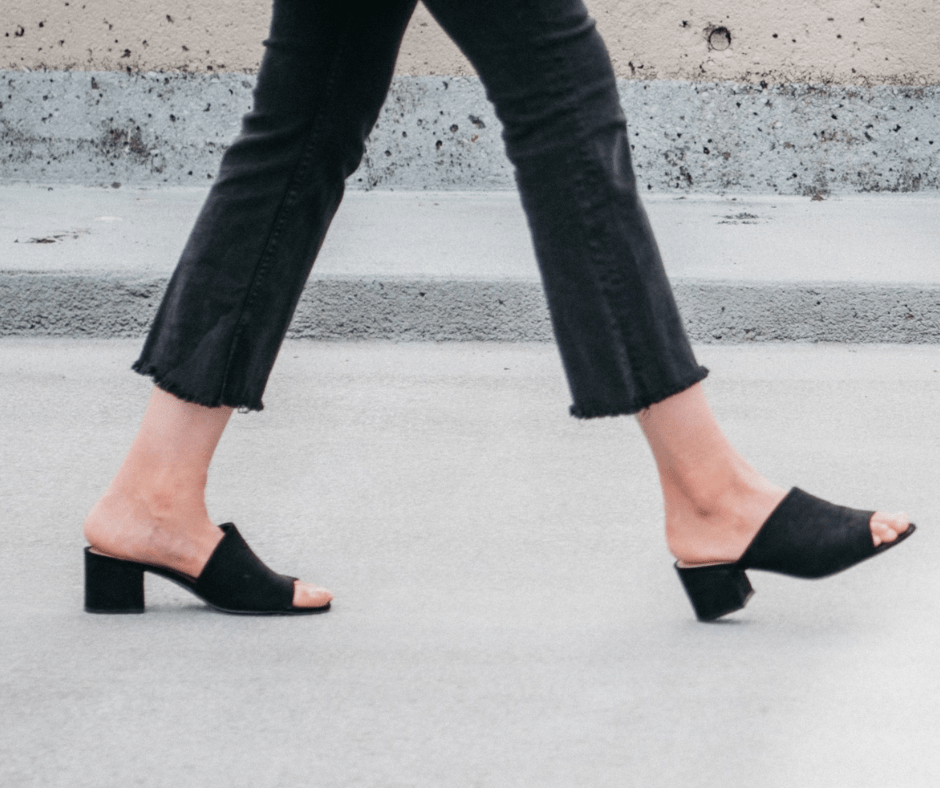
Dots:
pixel 112 585
pixel 715 590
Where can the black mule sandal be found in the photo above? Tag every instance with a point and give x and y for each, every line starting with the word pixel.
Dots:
pixel 234 580
pixel 804 536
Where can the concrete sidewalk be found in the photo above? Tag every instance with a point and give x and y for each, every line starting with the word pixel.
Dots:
pixel 91 262
pixel 506 613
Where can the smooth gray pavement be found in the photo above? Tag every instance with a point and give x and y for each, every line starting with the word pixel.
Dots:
pixel 506 613
pixel 78 261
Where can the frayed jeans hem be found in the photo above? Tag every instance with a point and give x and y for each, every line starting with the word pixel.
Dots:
pixel 170 387
pixel 596 411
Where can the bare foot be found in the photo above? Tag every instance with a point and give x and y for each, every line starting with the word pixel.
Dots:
pixel 167 533
pixel 720 529
pixel 715 501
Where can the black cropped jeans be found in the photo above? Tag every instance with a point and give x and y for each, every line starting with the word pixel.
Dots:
pixel 325 74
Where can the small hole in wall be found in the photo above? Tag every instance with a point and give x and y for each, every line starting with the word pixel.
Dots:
pixel 719 39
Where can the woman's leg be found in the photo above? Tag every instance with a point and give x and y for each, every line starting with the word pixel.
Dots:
pixel 621 338
pixel 322 82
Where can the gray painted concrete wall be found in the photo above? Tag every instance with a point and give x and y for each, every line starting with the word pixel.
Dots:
pixel 440 133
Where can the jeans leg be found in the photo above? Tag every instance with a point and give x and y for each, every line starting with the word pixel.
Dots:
pixel 325 74
pixel 547 72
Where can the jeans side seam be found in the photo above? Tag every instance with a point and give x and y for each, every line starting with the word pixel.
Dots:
pixel 613 219
pixel 287 204
pixel 589 167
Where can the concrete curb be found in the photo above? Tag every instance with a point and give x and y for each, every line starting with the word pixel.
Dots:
pixel 405 309
pixel 452 266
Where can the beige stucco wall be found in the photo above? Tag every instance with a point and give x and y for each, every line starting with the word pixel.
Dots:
pixel 843 41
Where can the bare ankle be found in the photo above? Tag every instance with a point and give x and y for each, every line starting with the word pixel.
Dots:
pixel 153 526
pixel 713 487
pixel 715 521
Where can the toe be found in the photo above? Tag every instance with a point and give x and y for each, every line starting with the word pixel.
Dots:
pixel 308 595
pixel 886 527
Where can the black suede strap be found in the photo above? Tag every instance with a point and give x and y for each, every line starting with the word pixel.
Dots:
pixel 806 536
pixel 235 579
